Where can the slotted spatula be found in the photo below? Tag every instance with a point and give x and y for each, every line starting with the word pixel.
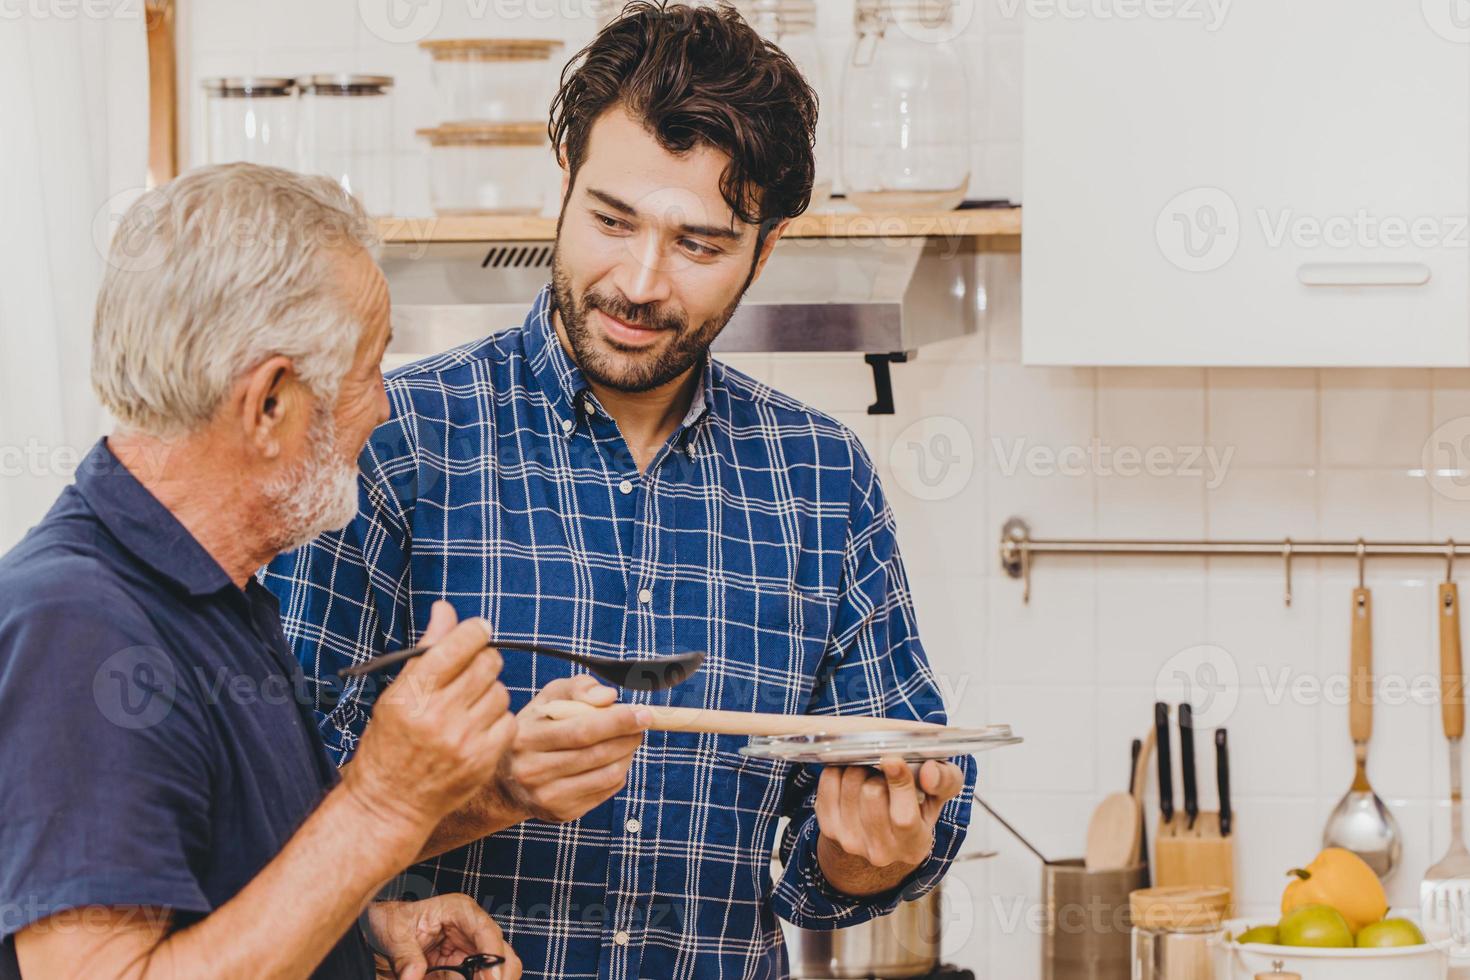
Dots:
pixel 1444 896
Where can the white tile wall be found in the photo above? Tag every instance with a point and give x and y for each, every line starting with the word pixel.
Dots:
pixel 1306 453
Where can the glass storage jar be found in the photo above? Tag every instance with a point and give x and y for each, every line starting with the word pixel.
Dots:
pixel 250 118
pixel 485 80
pixel 1176 930
pixel 489 168
pixel 905 120
pixel 792 26
pixel 347 125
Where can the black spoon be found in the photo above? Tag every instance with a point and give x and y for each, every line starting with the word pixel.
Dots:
pixel 637 674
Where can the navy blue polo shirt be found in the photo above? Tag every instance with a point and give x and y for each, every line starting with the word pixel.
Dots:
pixel 154 750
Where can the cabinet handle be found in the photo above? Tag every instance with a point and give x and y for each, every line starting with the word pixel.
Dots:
pixel 1363 273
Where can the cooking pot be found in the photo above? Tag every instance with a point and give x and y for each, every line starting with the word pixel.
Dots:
pixel 904 943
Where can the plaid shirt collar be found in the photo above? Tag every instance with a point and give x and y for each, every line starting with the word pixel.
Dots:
pixel 566 388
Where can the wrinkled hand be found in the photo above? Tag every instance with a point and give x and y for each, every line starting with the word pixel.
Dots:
pixel 558 770
pixel 880 819
pixel 439 731
pixel 438 931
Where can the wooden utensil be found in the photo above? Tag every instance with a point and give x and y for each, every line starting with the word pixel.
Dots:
pixel 1444 895
pixel 715 722
pixel 1112 834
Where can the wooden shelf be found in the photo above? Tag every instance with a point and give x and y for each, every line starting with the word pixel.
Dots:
pixel 997 228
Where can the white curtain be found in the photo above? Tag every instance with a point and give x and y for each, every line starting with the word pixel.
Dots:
pixel 73 147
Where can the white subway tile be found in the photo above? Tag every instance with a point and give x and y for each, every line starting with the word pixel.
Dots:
pixel 1056 754
pixel 1374 417
pixel 1050 639
pixel 1392 504
pixel 1264 417
pixel 1256 503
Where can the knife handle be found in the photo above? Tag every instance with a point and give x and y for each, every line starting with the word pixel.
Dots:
pixel 1360 700
pixel 1186 762
pixel 1222 779
pixel 1451 670
pixel 1166 768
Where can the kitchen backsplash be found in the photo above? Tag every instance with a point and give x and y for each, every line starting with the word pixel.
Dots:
pixel 978 438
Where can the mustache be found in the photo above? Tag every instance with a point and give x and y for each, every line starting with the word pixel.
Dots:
pixel 649 315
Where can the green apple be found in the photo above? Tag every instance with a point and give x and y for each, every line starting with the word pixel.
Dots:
pixel 1391 932
pixel 1315 925
pixel 1269 935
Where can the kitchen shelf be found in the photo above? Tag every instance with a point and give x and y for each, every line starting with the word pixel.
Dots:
pixel 996 229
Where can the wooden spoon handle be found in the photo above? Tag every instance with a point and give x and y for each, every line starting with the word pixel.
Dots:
pixel 1360 702
pixel 1451 671
pixel 707 720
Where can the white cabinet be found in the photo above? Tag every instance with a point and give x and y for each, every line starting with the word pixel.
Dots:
pixel 1256 182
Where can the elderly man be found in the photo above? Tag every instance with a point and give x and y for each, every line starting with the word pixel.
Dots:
pixel 166 809
pixel 594 480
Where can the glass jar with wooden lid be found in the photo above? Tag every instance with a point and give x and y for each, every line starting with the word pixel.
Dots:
pixel 493 79
pixel 489 168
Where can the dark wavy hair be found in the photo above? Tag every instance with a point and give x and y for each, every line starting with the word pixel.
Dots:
pixel 699 75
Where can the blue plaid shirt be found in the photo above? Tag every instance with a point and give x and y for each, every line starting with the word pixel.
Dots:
pixel 758 534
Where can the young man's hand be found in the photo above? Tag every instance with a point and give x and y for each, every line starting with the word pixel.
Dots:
pixel 875 830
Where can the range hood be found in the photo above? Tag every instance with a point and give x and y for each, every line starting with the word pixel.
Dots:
pixel 884 298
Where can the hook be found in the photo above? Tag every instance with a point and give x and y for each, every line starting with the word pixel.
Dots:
pixel 1362 560
pixel 1286 557
pixel 1025 572
pixel 1449 561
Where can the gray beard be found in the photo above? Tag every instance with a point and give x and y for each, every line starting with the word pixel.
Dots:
pixel 316 495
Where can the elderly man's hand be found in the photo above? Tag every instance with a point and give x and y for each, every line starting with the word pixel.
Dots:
pixel 438 931
pixel 875 829
pixel 558 769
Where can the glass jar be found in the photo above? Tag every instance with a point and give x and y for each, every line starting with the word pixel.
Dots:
pixel 347 124
pixel 483 80
pixel 905 121
pixel 1176 931
pixel 488 168
pixel 791 25
pixel 251 119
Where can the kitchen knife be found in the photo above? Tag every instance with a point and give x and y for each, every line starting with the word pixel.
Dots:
pixel 1166 767
pixel 1186 762
pixel 1222 777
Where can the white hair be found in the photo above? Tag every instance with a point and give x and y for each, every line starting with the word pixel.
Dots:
pixel 211 274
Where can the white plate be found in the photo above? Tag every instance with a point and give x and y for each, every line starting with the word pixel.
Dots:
pixel 868 748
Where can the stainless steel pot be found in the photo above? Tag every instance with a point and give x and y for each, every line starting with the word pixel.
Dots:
pixel 905 943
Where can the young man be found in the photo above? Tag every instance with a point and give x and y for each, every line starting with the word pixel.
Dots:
pixel 166 809
pixel 592 479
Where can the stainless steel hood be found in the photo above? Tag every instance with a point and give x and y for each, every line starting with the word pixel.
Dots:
pixel 865 295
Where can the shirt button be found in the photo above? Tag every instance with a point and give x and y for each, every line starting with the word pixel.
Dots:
pixel 566 425
pixel 620 937
pixel 625 487
pixel 633 826
pixel 591 408
pixel 645 596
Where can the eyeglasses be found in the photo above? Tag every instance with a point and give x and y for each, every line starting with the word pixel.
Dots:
pixel 472 965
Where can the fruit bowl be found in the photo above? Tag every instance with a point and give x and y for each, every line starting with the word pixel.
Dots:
pixel 1428 961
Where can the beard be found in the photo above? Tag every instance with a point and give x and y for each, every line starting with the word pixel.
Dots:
pixel 607 363
pixel 316 494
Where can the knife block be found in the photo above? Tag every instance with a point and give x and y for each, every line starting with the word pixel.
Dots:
pixel 1198 857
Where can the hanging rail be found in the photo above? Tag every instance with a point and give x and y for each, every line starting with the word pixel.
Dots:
pixel 1017 548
